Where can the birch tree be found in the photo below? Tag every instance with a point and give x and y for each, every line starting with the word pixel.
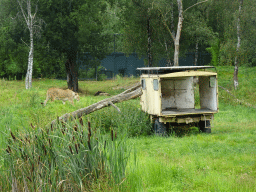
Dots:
pixel 33 26
pixel 176 37
pixel 237 46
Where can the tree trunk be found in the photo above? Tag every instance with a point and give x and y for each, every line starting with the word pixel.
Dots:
pixel 128 94
pixel 173 33
pixel 177 38
pixel 237 47
pixel 28 80
pixel 149 43
pixel 168 60
pixel 71 70
pixel 196 53
pixel 96 75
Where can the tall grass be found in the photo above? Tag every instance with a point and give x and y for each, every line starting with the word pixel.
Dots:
pixel 131 121
pixel 69 157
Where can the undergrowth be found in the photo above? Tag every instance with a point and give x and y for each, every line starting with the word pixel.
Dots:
pixel 66 157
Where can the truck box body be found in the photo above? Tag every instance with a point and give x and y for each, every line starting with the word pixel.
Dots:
pixel 173 94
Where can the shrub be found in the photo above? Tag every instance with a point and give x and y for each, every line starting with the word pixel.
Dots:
pixel 132 121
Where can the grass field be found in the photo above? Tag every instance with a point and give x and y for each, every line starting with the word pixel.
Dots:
pixel 221 161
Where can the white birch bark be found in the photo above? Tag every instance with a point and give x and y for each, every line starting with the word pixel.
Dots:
pixel 30 21
pixel 178 34
pixel 28 81
pixel 237 47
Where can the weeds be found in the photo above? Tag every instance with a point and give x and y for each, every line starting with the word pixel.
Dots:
pixel 132 121
pixel 67 157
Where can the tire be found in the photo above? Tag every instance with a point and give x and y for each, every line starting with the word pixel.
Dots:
pixel 204 126
pixel 159 128
pixel 207 130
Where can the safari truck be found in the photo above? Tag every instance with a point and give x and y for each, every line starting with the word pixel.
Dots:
pixel 179 96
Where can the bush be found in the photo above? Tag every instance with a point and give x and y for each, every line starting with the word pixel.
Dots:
pixel 132 121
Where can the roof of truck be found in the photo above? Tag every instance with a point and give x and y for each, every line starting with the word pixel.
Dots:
pixel 164 70
pixel 180 74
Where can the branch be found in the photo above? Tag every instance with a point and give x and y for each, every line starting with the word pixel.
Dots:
pixel 164 22
pixel 24 42
pixel 195 5
pixel 24 15
pixel 33 17
pixel 160 41
pixel 15 16
pixel 37 26
pixel 115 107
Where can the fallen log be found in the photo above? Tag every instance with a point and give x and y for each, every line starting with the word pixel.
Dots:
pixel 128 94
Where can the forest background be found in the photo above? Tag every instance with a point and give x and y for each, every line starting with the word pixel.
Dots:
pixel 35 157
pixel 61 29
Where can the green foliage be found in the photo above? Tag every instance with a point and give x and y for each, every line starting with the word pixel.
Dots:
pixel 222 17
pixel 196 29
pixel 48 62
pixel 67 31
pixel 131 121
pixel 163 16
pixel 88 26
pixel 89 73
pixel 12 56
pixel 215 52
pixel 134 18
pixel 102 77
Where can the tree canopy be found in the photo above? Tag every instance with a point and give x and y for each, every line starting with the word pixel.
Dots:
pixel 146 27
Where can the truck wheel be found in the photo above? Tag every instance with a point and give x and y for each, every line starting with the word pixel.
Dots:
pixel 159 128
pixel 205 126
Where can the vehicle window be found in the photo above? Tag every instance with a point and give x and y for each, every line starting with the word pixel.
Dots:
pixel 155 84
pixel 143 84
pixel 212 81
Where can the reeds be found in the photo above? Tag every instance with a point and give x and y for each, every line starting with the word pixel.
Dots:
pixel 69 157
